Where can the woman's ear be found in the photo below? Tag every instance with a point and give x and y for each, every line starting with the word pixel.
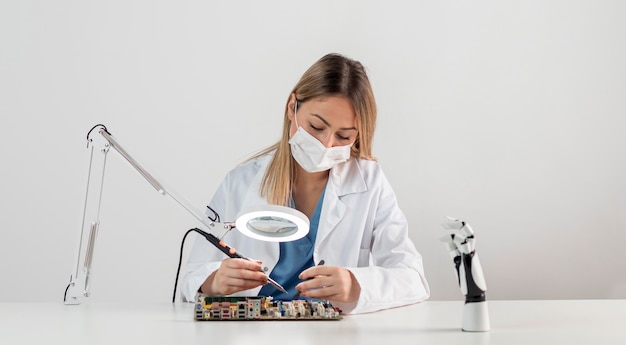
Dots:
pixel 291 106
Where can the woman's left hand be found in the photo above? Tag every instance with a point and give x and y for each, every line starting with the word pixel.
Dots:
pixel 329 283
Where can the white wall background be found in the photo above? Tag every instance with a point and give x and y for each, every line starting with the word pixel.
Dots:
pixel 508 114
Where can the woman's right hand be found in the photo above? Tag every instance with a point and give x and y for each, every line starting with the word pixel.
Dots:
pixel 234 275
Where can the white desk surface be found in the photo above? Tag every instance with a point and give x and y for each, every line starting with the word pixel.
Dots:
pixel 433 322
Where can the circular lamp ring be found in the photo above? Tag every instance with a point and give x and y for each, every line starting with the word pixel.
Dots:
pixel 273 223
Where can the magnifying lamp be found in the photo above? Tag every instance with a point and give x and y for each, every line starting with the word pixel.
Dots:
pixel 264 222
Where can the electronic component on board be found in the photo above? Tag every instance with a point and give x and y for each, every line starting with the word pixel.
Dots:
pixel 221 308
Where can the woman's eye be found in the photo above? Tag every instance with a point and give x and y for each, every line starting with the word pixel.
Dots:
pixel 343 138
pixel 316 128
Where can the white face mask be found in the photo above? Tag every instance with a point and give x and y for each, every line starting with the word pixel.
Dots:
pixel 312 155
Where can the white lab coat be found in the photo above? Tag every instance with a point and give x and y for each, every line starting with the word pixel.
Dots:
pixel 361 228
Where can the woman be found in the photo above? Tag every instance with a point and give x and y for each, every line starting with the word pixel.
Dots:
pixel 322 166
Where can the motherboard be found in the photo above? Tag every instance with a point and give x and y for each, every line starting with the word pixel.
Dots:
pixel 220 308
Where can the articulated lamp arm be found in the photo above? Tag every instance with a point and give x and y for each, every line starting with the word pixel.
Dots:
pixel 158 186
pixel 99 142
pixel 263 222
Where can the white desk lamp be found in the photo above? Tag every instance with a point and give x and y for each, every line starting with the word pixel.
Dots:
pixel 267 222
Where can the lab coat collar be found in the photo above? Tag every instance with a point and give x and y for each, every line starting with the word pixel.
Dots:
pixel 348 178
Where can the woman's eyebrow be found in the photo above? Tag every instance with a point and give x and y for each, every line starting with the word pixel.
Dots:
pixel 328 124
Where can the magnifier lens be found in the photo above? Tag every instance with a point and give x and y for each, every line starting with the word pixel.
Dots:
pixel 272 223
pixel 271 226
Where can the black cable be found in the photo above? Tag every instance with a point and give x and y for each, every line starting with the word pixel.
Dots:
pixel 94 127
pixel 180 261
pixel 67 288
pixel 216 216
pixel 98 125
pixel 180 258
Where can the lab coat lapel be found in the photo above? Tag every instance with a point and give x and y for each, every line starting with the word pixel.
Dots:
pixel 333 210
pixel 344 179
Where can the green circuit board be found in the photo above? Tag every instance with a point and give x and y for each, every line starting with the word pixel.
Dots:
pixel 220 308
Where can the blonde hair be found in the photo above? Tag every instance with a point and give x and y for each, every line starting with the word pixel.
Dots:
pixel 331 75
